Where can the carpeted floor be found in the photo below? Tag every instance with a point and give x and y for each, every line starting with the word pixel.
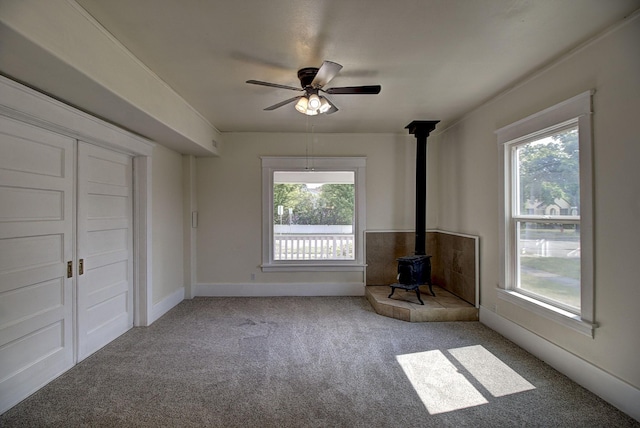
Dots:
pixel 310 362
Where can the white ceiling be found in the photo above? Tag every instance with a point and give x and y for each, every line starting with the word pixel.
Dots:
pixel 435 59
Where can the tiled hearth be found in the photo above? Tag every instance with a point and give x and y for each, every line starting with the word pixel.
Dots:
pixel 404 305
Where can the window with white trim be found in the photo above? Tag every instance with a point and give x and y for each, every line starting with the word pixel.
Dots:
pixel 313 213
pixel 546 215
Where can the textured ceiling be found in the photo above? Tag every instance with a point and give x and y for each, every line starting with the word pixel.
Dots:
pixel 435 59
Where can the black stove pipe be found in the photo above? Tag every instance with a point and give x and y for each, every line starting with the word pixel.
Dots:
pixel 421 129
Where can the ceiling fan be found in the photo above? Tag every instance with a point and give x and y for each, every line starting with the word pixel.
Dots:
pixel 312 81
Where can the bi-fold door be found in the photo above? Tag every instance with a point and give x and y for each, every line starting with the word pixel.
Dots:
pixel 65 254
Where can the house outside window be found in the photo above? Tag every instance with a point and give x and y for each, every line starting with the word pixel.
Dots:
pixel 546 215
pixel 313 213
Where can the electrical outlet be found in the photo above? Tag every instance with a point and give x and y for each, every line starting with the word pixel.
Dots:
pixel 253 277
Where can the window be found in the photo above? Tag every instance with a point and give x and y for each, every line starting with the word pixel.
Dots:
pixel 546 174
pixel 313 213
pixel 546 221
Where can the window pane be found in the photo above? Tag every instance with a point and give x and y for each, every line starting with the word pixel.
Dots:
pixel 548 175
pixel 549 261
pixel 313 215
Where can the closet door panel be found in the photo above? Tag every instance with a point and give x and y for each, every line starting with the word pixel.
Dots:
pixel 105 288
pixel 36 243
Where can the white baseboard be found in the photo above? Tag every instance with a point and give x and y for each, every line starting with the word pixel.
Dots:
pixel 608 387
pixel 166 304
pixel 279 289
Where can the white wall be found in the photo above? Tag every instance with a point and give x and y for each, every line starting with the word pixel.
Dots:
pixel 469 189
pixel 229 199
pixel 167 225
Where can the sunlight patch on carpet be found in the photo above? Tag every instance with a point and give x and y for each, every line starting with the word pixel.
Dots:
pixel 497 377
pixel 445 381
pixel 438 383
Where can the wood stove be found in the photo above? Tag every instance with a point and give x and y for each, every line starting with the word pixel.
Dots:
pixel 415 270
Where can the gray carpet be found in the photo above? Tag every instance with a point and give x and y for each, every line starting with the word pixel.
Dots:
pixel 310 362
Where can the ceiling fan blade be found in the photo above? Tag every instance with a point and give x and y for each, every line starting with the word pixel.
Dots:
pixel 327 71
pixel 274 85
pixel 282 103
pixel 362 90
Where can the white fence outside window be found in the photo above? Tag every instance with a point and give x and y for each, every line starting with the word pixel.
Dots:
pixel 313 247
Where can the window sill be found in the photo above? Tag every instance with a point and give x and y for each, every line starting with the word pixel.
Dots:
pixel 552 313
pixel 313 267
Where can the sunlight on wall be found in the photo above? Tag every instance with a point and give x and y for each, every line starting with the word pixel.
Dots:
pixel 445 381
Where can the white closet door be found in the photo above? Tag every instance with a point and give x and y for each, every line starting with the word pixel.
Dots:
pixel 36 239
pixel 105 247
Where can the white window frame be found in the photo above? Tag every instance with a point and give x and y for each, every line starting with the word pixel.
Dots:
pixel 294 163
pixel 574 110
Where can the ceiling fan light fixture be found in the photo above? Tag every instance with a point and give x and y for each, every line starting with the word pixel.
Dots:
pixel 302 105
pixel 310 112
pixel 314 102
pixel 324 105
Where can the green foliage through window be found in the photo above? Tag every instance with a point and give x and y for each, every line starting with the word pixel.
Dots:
pixel 549 173
pixel 328 204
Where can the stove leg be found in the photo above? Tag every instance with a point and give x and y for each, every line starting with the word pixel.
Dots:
pixel 393 289
pixel 418 295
